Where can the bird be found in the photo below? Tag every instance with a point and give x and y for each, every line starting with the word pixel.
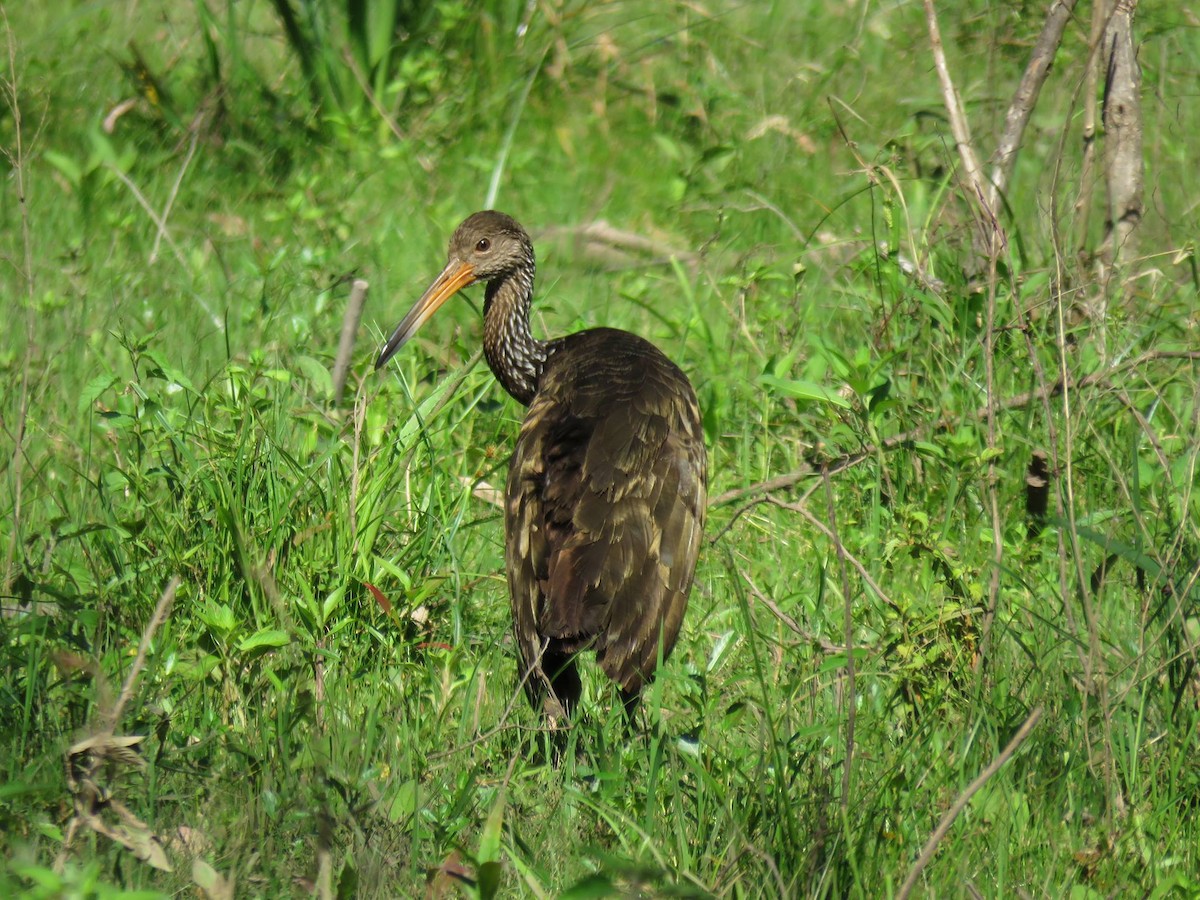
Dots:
pixel 604 505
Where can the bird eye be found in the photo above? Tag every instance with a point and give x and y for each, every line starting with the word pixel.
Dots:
pixel 483 245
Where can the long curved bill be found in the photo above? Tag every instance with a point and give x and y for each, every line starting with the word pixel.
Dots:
pixel 456 276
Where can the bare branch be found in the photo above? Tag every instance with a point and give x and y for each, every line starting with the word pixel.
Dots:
pixel 1122 136
pixel 1083 202
pixel 109 720
pixel 972 170
pixel 849 557
pixel 1026 96
pixel 1017 401
pixel 350 320
pixel 964 798
pixel 161 222
pixel 851 694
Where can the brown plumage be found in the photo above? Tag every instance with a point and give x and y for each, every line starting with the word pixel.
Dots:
pixel 606 487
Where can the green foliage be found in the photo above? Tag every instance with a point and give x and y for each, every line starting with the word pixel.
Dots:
pixel 331 700
pixel 390 53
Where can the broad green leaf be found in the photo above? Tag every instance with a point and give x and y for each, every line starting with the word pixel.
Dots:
pixel 67 167
pixel 268 637
pixel 92 391
pixel 804 390
pixel 590 888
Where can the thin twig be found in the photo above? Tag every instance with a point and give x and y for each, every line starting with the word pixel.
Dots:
pixel 1026 96
pixel 778 483
pixel 161 225
pixel 360 77
pixel 16 159
pixel 502 721
pixel 851 704
pixel 991 486
pixel 955 112
pixel 110 719
pixel 151 212
pixel 161 232
pixel 963 799
pixel 1017 401
pixel 826 645
pixel 350 319
pixel 850 557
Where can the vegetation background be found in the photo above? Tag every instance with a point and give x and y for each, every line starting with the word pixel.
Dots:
pixel 255 637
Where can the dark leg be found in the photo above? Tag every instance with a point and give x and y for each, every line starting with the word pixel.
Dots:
pixel 630 700
pixel 564 679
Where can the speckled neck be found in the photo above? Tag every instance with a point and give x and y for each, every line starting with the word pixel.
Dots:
pixel 514 355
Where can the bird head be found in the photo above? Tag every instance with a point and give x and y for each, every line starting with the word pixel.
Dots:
pixel 487 246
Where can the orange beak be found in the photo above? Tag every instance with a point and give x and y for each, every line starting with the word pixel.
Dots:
pixel 456 276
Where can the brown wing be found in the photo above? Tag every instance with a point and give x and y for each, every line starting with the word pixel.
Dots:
pixel 606 500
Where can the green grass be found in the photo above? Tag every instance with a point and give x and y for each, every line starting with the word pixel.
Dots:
pixel 168 414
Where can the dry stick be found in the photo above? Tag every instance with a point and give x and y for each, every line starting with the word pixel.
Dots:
pixel 778 483
pixel 350 320
pixel 848 637
pixel 1083 202
pixel 162 227
pixel 954 109
pixel 16 159
pixel 964 798
pixel 1017 401
pixel 826 645
pixel 150 211
pixel 992 489
pixel 1026 96
pixel 628 242
pixel 109 720
pixel 161 232
pixel 850 557
pixel 1123 132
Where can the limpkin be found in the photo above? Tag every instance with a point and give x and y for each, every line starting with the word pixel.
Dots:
pixel 605 500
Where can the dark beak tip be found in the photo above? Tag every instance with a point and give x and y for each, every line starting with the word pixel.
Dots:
pixel 454 276
pixel 384 358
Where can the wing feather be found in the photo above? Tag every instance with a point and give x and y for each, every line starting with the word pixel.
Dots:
pixel 605 506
